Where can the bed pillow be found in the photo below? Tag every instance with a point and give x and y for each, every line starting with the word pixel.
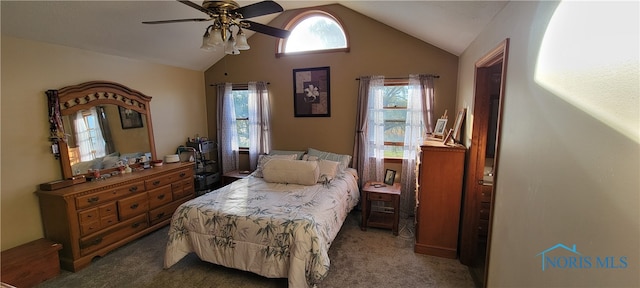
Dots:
pixel 263 159
pixel 110 161
pixel 328 170
pixel 344 160
pixel 288 152
pixel 288 171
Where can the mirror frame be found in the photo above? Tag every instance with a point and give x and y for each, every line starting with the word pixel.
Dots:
pixel 83 96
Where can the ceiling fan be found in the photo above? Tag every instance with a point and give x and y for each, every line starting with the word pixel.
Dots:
pixel 226 15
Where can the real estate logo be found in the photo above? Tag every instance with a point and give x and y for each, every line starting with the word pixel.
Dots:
pixel 560 256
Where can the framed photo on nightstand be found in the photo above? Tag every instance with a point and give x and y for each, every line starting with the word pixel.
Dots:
pixel 389 177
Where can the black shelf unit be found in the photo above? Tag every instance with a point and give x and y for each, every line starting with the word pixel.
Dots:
pixel 207 176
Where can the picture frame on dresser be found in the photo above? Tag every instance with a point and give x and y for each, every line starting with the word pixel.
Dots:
pixel 439 130
pixel 457 126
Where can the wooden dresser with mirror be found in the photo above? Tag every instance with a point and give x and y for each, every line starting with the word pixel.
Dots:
pixel 93 218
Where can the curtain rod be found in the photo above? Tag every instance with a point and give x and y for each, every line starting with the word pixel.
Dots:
pixel 268 83
pixel 399 78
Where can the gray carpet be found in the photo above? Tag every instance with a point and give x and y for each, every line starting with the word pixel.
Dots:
pixel 372 258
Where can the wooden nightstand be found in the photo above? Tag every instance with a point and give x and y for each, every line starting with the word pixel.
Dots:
pixel 234 175
pixel 384 193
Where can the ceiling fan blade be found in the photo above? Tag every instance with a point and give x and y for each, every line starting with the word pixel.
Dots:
pixel 176 21
pixel 194 5
pixel 259 9
pixel 264 29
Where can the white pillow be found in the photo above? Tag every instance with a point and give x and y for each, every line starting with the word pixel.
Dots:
pixel 301 172
pixel 344 160
pixel 328 170
pixel 263 159
pixel 287 152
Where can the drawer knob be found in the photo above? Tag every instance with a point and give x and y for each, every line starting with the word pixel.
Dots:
pixel 93 199
pixel 133 189
pixel 160 215
pixel 135 225
pixel 182 174
pixel 134 206
pixel 161 196
pixel 155 183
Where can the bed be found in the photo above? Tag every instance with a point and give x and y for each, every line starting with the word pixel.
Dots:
pixel 272 227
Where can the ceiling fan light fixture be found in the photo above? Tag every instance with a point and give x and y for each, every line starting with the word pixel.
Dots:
pixel 241 41
pixel 216 37
pixel 206 42
pixel 230 47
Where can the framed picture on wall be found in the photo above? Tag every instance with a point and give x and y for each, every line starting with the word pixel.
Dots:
pixel 130 118
pixel 311 92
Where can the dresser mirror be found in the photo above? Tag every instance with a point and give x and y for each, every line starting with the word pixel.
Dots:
pixel 100 125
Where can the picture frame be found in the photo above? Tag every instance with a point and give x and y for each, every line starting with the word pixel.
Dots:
pixel 311 92
pixel 441 124
pixel 130 118
pixel 458 124
pixel 448 138
pixel 389 176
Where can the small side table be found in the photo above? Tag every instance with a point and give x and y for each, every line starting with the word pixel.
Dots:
pixel 377 219
pixel 234 175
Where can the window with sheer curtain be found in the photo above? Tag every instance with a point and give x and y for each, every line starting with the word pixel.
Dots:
pixel 244 122
pixel 392 117
pixel 88 134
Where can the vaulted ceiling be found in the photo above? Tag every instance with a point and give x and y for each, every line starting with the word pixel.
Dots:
pixel 114 27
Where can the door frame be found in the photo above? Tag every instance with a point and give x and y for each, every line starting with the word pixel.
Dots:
pixel 476 156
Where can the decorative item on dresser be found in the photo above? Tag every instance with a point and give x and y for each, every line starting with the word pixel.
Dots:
pixel 94 218
pixel 439 198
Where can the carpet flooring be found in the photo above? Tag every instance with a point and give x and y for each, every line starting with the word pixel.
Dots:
pixel 372 258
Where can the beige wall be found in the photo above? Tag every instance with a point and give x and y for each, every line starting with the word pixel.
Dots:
pixel 567 174
pixel 376 49
pixel 30 68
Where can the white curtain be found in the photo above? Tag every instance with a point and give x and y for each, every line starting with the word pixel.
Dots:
pixel 373 166
pixel 259 122
pixel 89 150
pixel 413 138
pixel 227 130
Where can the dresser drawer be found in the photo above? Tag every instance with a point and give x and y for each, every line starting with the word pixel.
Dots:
pixel 87 228
pixel 483 228
pixel 380 197
pixel 108 220
pixel 113 234
pixel 168 179
pixel 485 209
pixel 96 198
pixel 107 210
pixel 162 213
pixel 134 205
pixel 88 216
pixel 160 196
pixel 485 194
pixel 184 174
pixel 102 197
pixel 182 189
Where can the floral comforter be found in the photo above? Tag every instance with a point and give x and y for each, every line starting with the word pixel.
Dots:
pixel 272 229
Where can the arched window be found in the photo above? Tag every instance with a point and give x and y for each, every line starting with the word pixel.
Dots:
pixel 314 31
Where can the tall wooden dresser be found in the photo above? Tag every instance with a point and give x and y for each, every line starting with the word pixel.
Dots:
pixel 94 218
pixel 439 199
